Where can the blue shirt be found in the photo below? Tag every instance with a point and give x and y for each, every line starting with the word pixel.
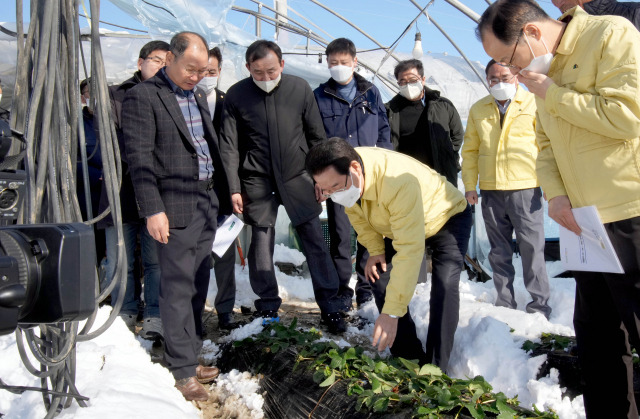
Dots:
pixel 348 91
pixel 191 113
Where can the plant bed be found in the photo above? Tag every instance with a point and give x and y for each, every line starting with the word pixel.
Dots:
pixel 562 355
pixel 303 376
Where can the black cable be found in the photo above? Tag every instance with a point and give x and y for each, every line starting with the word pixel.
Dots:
pixel 46 110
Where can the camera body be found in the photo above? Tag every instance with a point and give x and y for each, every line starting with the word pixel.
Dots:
pixel 47 274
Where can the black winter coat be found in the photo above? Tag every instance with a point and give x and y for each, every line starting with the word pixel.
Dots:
pixel 445 131
pixel 127 195
pixel 628 9
pixel 264 142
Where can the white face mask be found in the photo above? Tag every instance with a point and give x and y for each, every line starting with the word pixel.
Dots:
pixel 268 85
pixel 539 64
pixel 412 91
pixel 348 197
pixel 0 96
pixel 341 73
pixel 503 91
pixel 208 84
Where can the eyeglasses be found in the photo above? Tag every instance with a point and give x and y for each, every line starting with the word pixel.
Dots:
pixel 191 72
pixel 505 79
pixel 328 195
pixel 157 61
pixel 509 65
pixel 405 82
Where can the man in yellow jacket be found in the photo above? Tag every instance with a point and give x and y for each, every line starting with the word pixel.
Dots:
pixel 391 195
pixel 500 148
pixel 584 72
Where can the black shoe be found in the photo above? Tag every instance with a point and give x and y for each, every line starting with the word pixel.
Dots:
pixel 268 316
pixel 334 322
pixel 226 322
pixel 363 299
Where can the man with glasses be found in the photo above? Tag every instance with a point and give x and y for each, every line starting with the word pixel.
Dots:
pixel 500 149
pixel 584 70
pixel 425 125
pixel 150 60
pixel 180 187
pixel 390 195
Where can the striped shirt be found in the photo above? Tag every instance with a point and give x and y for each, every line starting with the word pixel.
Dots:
pixel 191 113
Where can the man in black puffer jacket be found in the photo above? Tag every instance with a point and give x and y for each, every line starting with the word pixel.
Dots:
pixel 626 9
pixel 425 125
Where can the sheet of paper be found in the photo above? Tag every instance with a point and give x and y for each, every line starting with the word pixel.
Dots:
pixel 226 234
pixel 592 250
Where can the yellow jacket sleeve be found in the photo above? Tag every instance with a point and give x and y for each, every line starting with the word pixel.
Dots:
pixel 470 150
pixel 407 221
pixel 612 109
pixel 546 166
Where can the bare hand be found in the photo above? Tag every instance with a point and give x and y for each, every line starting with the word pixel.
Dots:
pixel 560 212
pixel 371 270
pixel 319 196
pixel 158 226
pixel 472 197
pixel 236 200
pixel 537 83
pixel 384 332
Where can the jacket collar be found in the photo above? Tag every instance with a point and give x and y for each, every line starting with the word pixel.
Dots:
pixel 370 192
pixel 576 19
pixel 362 85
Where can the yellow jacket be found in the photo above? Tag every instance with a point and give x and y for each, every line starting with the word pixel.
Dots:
pixel 504 158
pixel 407 202
pixel 589 124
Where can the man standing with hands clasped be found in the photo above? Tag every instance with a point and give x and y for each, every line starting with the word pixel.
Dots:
pixel 584 72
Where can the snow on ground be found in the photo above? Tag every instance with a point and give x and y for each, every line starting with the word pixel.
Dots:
pixel 115 371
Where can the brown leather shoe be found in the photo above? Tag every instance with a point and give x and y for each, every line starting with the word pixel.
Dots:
pixel 191 389
pixel 206 374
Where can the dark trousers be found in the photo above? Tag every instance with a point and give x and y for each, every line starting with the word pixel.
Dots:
pixel 185 264
pixel 522 211
pixel 224 268
pixel 340 249
pixel 606 321
pixel 262 274
pixel 448 246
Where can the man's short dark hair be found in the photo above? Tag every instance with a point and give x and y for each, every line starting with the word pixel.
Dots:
pixel 489 64
pixel 334 152
pixel 217 54
pixel 84 84
pixel 260 49
pixel 149 47
pixel 341 46
pixel 408 65
pixel 506 19
pixel 181 41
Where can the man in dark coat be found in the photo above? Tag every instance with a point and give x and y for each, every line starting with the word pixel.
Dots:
pixel 627 9
pixel 269 122
pixel 181 187
pixel 351 108
pixel 150 60
pixel 425 125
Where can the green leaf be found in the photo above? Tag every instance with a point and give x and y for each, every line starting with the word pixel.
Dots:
pixel 504 408
pixel 473 411
pixel 350 354
pixel 330 380
pixel 376 386
pixel 411 366
pixel 293 324
pixel 319 376
pixel 381 404
pixel 529 346
pixel 429 369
